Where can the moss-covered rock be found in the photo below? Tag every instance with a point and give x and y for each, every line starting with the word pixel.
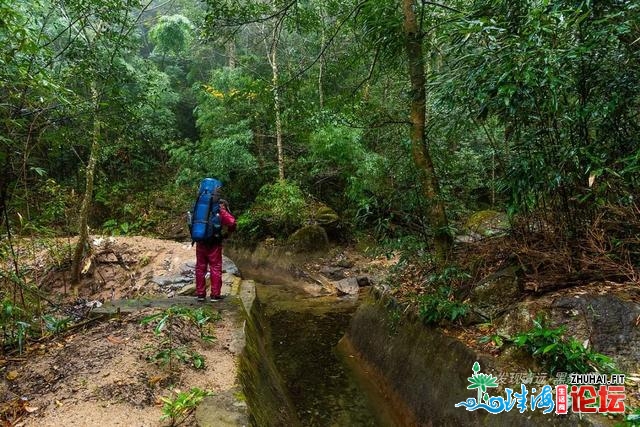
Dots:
pixel 326 216
pixel 493 295
pixel 311 238
pixel 487 223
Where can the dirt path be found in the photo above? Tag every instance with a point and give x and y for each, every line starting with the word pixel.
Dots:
pixel 101 374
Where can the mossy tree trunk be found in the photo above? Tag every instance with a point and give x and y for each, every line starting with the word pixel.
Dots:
pixel 420 151
pixel 83 232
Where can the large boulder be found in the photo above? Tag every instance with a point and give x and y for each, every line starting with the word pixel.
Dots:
pixel 311 238
pixel 487 223
pixel 496 293
pixel 606 321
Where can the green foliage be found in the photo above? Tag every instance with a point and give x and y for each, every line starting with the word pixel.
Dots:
pixel 335 146
pixel 352 174
pixel 54 324
pixel 19 323
pixel 222 157
pixel 172 34
pixel 279 209
pixel 113 228
pixel 380 24
pixel 168 324
pixel 633 418
pixel 555 78
pixel 15 328
pixel 440 305
pixel 126 208
pixel 496 339
pixel 228 118
pixel 451 275
pixel 165 355
pixel 180 406
pixel 557 353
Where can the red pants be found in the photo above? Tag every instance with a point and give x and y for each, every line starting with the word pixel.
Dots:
pixel 211 256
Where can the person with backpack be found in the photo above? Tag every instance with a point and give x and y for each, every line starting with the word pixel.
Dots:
pixel 209 217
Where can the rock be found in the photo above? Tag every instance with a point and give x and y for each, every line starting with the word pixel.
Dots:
pixel 487 223
pixel 333 273
pixel 311 238
pixel 229 266
pixel 609 322
pixel 171 282
pixel 221 410
pixel 348 286
pixel 326 216
pixel 189 289
pixel 515 321
pixel 345 263
pixel 363 281
pixel 470 237
pixel 496 292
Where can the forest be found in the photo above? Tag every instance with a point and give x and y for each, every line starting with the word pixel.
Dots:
pixel 405 122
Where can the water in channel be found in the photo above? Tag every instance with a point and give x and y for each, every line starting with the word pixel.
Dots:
pixel 304 332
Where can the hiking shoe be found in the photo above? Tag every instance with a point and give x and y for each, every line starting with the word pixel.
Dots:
pixel 218 298
pixel 200 298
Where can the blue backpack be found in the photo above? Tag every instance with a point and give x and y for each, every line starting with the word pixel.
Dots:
pixel 205 224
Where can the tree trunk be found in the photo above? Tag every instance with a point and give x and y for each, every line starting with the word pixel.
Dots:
pixel 321 61
pixel 276 97
pixel 231 53
pixel 429 181
pixel 83 233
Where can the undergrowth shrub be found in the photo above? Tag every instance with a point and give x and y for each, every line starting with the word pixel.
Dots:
pixel 170 327
pixel 440 305
pixel 179 407
pixel 557 353
pixel 279 210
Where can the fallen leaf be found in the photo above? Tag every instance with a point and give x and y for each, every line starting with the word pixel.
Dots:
pixel 87 266
pixel 12 375
pixel 114 340
pixel 156 379
pixel 31 409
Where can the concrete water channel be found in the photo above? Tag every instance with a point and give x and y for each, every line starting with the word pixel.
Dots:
pixel 294 370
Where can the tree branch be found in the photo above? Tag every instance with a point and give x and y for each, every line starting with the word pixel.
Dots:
pixel 432 3
pixel 326 45
pixel 262 18
pixel 371 68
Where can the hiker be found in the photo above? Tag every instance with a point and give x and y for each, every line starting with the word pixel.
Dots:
pixel 209 253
